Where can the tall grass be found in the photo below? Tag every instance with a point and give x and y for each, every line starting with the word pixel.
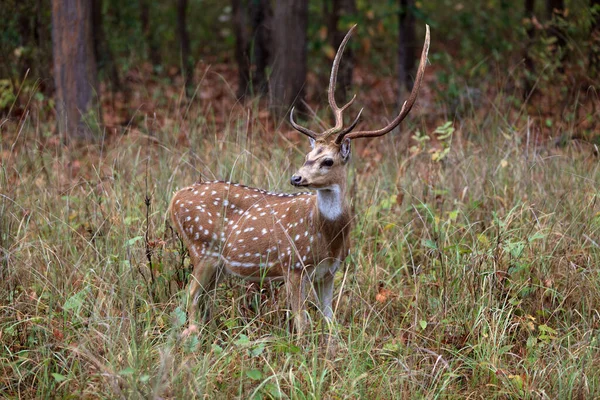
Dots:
pixel 473 276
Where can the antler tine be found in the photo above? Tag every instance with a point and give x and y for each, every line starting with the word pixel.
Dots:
pixel 337 111
pixel 406 107
pixel 351 126
pixel 306 131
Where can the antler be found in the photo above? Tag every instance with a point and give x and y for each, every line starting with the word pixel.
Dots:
pixel 406 107
pixel 337 111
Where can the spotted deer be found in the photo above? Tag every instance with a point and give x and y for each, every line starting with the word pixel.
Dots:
pixel 298 238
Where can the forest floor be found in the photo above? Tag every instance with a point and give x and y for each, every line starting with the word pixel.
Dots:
pixel 474 268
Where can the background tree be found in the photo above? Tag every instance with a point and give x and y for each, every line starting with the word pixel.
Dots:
pixel 406 47
pixel 261 17
pixel 104 57
pixel 149 33
pixel 251 24
pixel 187 63
pixel 339 14
pixel 74 66
pixel 242 37
pixel 555 10
pixel 594 60
pixel 289 55
pixel 25 47
pixel 529 67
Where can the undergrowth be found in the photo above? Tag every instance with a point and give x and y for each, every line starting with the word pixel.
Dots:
pixel 473 270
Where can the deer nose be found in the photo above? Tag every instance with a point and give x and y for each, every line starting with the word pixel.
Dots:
pixel 296 179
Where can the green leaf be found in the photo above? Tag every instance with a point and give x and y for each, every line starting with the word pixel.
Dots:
pixel 216 349
pixel 179 317
pixel 287 348
pixel 423 324
pixel 452 215
pixel 144 378
pixel 133 241
pixel 130 220
pixel 254 374
pixel 537 236
pixel 191 344
pixel 273 390
pixel 127 371
pixel 242 341
pixel 75 302
pixel 430 243
pixel 258 350
pixel 515 248
pixel 58 377
pixel 545 328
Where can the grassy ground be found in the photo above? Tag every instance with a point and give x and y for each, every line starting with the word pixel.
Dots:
pixel 475 276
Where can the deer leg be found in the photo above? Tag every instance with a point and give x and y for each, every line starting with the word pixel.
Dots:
pixel 324 289
pixel 203 281
pixel 297 298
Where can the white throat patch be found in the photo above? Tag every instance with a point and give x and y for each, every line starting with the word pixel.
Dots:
pixel 330 202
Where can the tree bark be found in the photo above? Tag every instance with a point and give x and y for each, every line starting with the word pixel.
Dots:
pixel 529 67
pixel 104 58
pixel 341 10
pixel 289 58
pixel 187 64
pixel 251 23
pixel 74 66
pixel 406 48
pixel 153 48
pixel 594 61
pixel 555 9
pixel 239 12
pixel 261 16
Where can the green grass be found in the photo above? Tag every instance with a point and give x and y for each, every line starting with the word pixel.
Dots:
pixel 486 266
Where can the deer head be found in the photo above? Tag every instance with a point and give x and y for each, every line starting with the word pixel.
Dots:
pixel 325 163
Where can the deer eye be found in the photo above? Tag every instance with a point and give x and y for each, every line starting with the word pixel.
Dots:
pixel 328 162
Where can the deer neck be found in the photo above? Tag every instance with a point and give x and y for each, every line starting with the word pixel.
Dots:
pixel 331 202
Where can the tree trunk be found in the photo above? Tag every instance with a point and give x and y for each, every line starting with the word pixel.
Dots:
pixel 289 61
pixel 555 10
pixel 104 57
pixel 341 10
pixel 149 37
pixel 594 61
pixel 406 48
pixel 261 17
pixel 74 66
pixel 240 29
pixel 187 64
pixel 251 19
pixel 529 67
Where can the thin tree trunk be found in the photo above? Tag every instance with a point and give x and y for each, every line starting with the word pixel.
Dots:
pixel 261 16
pixel 289 58
pixel 148 31
pixel 594 61
pixel 187 64
pixel 529 67
pixel 104 57
pixel 555 10
pixel 251 19
pixel 239 12
pixel 341 9
pixel 74 66
pixel 406 47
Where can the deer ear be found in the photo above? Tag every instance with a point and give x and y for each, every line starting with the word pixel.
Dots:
pixel 312 142
pixel 345 150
